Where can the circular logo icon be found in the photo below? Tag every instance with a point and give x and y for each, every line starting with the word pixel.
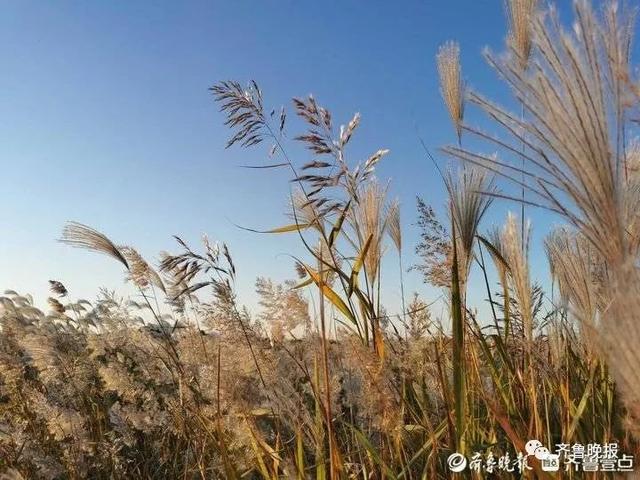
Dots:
pixel 532 446
pixel 541 453
pixel 457 462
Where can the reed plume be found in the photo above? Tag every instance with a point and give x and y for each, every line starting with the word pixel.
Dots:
pixel 369 219
pixel 434 248
pixel 140 272
pixel 394 230
pixel 244 110
pixel 81 236
pixel 579 273
pixel 393 224
pixel 520 14
pixel 619 338
pixel 469 192
pixel 452 85
pixel 515 251
pixel 58 288
pixel 572 162
pixel 498 253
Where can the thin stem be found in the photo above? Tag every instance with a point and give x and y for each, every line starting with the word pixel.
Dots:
pixel 486 282
pixel 522 204
pixel 327 384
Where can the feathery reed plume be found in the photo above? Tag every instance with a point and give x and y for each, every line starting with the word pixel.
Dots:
pixel 174 287
pixel 369 220
pixel 620 339
pixel 214 264
pixel 81 236
pixel 574 166
pixel 497 252
pixel 515 250
pixel 394 230
pixel 617 35
pixel 140 272
pixel 419 318
pixel 393 224
pixel 304 212
pixel 631 197
pixel 452 85
pixel 470 192
pixel 244 111
pixel 434 248
pixel 284 308
pixel 520 15
pixel 58 288
pixel 56 306
pixel 332 171
pixel 577 268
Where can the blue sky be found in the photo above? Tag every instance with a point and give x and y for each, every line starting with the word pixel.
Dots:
pixel 107 120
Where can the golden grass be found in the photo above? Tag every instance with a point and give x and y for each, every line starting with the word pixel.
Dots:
pixel 182 381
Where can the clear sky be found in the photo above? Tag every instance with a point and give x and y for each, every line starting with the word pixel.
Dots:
pixel 106 119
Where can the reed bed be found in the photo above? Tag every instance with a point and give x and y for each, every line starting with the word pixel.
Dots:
pixel 182 381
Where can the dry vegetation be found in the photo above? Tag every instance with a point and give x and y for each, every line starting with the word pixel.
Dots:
pixel 183 382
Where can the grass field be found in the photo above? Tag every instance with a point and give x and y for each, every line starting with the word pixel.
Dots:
pixel 182 381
